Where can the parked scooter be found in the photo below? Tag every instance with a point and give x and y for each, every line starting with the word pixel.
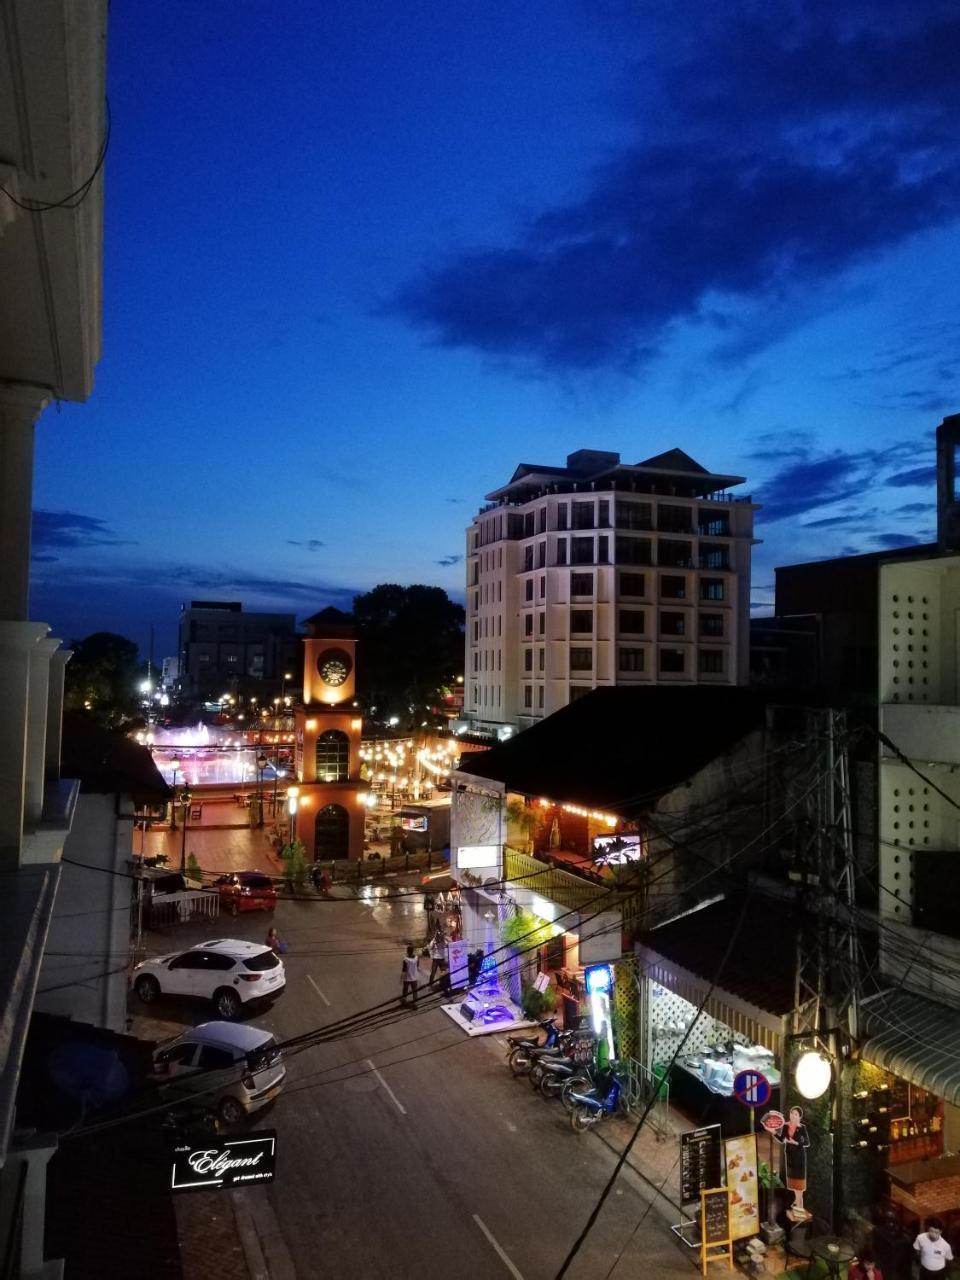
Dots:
pixel 588 1109
pixel 591 1080
pixel 523 1058
pixel 554 1074
pixel 559 1052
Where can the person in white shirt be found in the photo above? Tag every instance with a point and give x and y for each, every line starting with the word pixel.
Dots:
pixel 410 975
pixel 933 1252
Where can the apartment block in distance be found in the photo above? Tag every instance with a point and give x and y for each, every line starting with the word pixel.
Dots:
pixel 221 646
pixel 604 573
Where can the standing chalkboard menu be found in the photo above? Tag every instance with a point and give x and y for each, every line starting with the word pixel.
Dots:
pixel 715 1242
pixel 701 1162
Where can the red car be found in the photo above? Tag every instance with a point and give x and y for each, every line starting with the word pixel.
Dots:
pixel 246 891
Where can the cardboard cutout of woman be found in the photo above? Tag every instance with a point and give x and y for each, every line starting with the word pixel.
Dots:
pixel 795 1140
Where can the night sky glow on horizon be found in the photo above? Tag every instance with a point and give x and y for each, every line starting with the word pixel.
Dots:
pixel 360 260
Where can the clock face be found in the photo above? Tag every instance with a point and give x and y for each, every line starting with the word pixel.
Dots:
pixel 334 666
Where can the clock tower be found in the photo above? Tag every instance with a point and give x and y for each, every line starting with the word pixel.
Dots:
pixel 328 727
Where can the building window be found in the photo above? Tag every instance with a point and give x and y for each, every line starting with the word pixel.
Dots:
pixel 527 559
pixel 581 622
pixel 633 551
pixel 541 555
pixel 630 659
pixel 672 661
pixel 675 555
pixel 673 624
pixel 581 584
pixel 540 696
pixel 711 624
pixel 540 659
pixel 528 524
pixel 713 556
pixel 476 660
pixel 528 589
pixel 578 691
pixel 542 520
pixel 711 662
pixel 499 657
pixel 630 622
pixel 582 515
pixel 528 624
pixel 632 584
pixel 333 756
pixel 543 585
pixel 528 659
pixel 581 551
pixel 673 588
pixel 581 659
pixel 541 623
pixel 713 524
pixel 603 513
pixel 603 549
pixel 674 519
pixel 561 551
pixel 528 695
pixel 711 589
pixel 633 515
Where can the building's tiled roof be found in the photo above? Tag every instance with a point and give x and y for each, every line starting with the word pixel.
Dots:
pixel 674 460
pixel 109 762
pixel 622 749
pixel 761 966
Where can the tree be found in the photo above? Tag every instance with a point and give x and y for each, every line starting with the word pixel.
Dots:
pixel 410 646
pixel 102 676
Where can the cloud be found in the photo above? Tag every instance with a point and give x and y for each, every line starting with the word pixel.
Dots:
pixel 895 540
pixel 770 154
pixel 310 544
pixel 447 561
pixel 914 508
pixel 66 531
pixel 456 501
pixel 924 476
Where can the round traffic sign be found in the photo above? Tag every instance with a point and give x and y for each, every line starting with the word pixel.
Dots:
pixel 752 1088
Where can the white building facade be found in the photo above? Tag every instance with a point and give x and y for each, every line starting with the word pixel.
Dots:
pixel 603 573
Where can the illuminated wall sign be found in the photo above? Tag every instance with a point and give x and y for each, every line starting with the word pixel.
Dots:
pixel 414 824
pixel 598 977
pixel 478 855
pixel 225 1162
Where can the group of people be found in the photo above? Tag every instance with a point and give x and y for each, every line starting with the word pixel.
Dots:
pixel 930 1249
pixel 439 967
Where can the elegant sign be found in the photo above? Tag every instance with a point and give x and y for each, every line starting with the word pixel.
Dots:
pixel 701 1162
pixel 225 1162
pixel 742 1181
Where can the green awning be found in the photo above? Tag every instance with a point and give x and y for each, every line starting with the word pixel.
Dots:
pixel 914 1038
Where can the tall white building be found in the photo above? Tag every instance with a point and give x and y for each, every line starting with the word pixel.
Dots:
pixel 604 573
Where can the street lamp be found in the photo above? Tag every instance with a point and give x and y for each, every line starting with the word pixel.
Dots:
pixel 185 800
pixel 287 675
pixel 293 794
pixel 175 762
pixel 262 763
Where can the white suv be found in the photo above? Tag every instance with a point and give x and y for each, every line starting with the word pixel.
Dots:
pixel 227 971
pixel 233 1070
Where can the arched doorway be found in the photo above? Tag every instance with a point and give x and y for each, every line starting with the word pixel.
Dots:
pixel 333 756
pixel 332 833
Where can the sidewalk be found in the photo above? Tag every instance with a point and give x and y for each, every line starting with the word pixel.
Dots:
pixel 218 850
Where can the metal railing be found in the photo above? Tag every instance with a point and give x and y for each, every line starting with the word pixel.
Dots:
pixel 178 908
pixel 639 1084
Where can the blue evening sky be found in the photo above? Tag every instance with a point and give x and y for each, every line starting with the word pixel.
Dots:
pixel 362 259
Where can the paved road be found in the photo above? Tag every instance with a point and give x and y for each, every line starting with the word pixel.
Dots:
pixel 409 1150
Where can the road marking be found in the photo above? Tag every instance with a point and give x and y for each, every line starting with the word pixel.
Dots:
pixel 504 1258
pixel 396 1101
pixel 318 991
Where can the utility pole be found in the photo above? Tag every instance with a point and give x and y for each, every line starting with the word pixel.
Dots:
pixel 827 973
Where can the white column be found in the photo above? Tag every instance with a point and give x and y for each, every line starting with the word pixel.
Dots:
pixel 58 662
pixel 20 406
pixel 17 641
pixel 37 703
pixel 35 1153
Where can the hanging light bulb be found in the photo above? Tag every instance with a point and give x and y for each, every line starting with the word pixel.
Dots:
pixel 813 1074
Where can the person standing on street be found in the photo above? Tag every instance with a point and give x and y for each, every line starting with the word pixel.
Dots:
pixel 932 1251
pixel 410 975
pixel 438 952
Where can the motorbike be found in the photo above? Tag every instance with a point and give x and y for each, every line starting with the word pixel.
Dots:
pixel 588 1080
pixel 560 1051
pixel 523 1057
pixel 555 1074
pixel 587 1109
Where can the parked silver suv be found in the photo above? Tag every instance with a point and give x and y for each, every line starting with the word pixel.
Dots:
pixel 229 1068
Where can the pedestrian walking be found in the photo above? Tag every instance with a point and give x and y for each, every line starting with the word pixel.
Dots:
pixel 410 976
pixel 438 954
pixel 933 1252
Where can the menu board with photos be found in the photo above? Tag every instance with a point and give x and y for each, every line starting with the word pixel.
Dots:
pixel 701 1162
pixel 741 1154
